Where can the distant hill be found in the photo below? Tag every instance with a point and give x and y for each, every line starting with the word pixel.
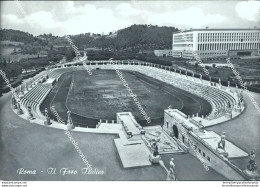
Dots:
pixel 133 37
pixel 16 36
pixel 146 36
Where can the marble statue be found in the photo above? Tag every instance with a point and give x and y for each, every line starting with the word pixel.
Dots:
pixel 171 172
pixel 29 108
pixel 47 118
pixel 154 157
pixel 251 164
pixel 155 149
pixel 13 100
pixel 222 145
pixel 70 125
pixel 251 170
pixel 19 110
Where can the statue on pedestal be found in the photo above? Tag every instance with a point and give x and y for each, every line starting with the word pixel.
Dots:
pixel 229 108
pixel 228 84
pixel 25 87
pixel 251 164
pixel 47 118
pixel 155 149
pixel 171 173
pixel 19 110
pixel 236 97
pixel 70 125
pixel 200 77
pixel 154 157
pixel 221 145
pixel 251 170
pixel 13 101
pixel 240 95
pixel 21 90
pixel 29 108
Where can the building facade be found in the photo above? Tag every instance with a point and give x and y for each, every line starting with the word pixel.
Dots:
pixel 216 42
pixel 201 143
pixel 164 52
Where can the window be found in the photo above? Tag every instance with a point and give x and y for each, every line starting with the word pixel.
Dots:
pixel 199 151
pixel 204 154
pixel 208 158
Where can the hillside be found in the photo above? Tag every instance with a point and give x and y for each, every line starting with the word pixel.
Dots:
pixel 133 37
pixel 17 36
pixel 146 36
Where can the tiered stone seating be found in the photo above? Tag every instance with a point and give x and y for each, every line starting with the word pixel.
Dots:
pixel 56 73
pixel 35 96
pixel 218 98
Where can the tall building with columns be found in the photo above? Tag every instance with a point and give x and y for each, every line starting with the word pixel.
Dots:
pixel 216 42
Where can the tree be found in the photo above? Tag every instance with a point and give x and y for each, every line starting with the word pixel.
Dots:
pixel 13 73
pixel 196 66
pixel 4 62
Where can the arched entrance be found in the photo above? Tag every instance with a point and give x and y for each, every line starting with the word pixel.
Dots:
pixel 175 131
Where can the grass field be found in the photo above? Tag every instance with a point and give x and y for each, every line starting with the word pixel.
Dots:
pixel 102 95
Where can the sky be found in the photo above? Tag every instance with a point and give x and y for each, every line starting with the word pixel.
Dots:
pixel 68 17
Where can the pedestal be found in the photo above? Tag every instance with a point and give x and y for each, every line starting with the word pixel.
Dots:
pixel 19 111
pixel 47 121
pixel 70 126
pixel 228 115
pixel 14 107
pixel 154 160
pixel 253 175
pixel 238 109
pixel 129 134
pixel 222 152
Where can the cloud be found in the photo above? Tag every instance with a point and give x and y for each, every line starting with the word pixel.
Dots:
pixel 193 17
pixel 126 9
pixel 42 19
pixel 68 20
pixel 249 10
pixel 97 17
pixel 92 19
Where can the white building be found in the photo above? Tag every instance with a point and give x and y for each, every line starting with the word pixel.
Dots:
pixel 216 42
pixel 164 52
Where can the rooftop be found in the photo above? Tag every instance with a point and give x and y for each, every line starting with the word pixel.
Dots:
pixel 221 29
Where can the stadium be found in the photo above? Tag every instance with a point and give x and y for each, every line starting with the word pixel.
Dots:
pixel 112 132
pixel 92 98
